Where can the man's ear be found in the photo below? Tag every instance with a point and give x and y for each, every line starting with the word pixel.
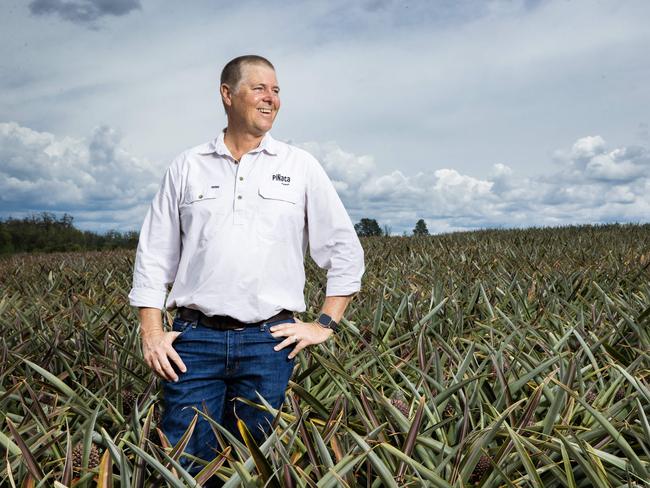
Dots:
pixel 226 94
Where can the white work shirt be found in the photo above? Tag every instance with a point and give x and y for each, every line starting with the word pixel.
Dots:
pixel 231 236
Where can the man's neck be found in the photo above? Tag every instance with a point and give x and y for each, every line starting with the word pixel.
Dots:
pixel 240 142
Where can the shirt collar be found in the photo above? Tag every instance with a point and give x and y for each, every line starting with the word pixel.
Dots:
pixel 268 145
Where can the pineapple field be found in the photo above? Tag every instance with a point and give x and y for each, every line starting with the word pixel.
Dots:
pixel 496 358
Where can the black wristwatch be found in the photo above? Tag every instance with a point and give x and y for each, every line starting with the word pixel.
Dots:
pixel 328 322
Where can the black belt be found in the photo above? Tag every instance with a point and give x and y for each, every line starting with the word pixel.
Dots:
pixel 224 322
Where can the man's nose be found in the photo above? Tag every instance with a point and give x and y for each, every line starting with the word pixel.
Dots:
pixel 270 95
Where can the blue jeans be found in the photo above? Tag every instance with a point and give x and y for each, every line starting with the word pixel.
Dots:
pixel 222 365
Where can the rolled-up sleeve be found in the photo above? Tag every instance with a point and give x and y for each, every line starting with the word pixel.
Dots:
pixel 333 242
pixel 159 245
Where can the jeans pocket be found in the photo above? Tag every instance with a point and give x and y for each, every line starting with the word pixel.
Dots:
pixel 268 325
pixel 182 326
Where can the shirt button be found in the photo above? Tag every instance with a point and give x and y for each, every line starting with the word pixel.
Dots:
pixel 239 197
pixel 241 178
pixel 200 196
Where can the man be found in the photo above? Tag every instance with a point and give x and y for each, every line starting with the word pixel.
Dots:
pixel 229 227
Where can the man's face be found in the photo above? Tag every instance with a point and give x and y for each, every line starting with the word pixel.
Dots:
pixel 255 102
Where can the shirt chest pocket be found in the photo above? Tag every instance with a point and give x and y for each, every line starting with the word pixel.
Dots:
pixel 279 215
pixel 199 207
pixel 196 195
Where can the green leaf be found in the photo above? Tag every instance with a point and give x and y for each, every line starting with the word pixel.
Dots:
pixel 525 459
pixel 9 445
pixel 213 466
pixel 263 466
pixel 105 473
pixel 162 469
pixel 335 475
pixel 411 437
pixel 56 382
pixel 639 467
pixel 419 468
pixel 323 452
pixel 377 463
pixel 28 457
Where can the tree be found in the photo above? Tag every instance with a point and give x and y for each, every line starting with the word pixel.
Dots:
pixel 367 228
pixel 420 228
pixel 66 220
pixel 6 246
pixel 45 233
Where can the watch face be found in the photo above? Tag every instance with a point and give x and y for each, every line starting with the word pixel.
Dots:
pixel 327 321
pixel 324 320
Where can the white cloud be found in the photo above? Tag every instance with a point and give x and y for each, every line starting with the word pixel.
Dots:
pixel 465 81
pixel 587 147
pixel 341 166
pixel 103 186
pixel 590 158
pixel 40 172
pixel 594 184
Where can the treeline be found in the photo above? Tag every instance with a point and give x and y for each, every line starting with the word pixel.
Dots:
pixel 370 228
pixel 45 232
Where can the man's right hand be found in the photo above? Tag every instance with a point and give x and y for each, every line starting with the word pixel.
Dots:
pixel 157 346
pixel 157 350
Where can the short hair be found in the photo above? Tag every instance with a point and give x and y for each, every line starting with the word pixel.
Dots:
pixel 231 74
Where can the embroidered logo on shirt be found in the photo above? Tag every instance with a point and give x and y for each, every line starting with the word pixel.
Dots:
pixel 285 180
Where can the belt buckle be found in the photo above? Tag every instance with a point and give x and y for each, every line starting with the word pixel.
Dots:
pixel 227 323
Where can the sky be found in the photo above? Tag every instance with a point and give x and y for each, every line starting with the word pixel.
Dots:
pixel 468 114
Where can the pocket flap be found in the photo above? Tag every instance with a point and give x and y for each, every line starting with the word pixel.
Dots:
pixel 278 192
pixel 197 194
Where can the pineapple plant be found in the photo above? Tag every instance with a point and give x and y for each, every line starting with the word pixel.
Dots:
pixel 400 405
pixel 129 400
pixel 474 302
pixel 449 411
pixel 483 467
pixel 94 456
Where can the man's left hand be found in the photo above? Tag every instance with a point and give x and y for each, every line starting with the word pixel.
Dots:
pixel 302 334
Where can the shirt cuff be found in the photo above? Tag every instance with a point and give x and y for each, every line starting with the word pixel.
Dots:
pixel 342 289
pixel 147 297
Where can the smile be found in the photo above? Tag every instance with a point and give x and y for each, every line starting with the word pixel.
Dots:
pixel 264 110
